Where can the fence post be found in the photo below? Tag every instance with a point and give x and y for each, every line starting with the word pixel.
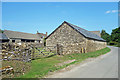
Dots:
pixel 33 56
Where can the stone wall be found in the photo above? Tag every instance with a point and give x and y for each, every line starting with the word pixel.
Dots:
pixel 74 48
pixel 69 41
pixel 93 45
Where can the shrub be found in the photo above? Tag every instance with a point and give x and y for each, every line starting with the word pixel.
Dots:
pixel 118 45
pixel 113 43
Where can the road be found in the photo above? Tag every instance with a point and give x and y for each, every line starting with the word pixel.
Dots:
pixel 105 66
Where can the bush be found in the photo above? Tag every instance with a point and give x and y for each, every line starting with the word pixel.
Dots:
pixel 118 45
pixel 113 43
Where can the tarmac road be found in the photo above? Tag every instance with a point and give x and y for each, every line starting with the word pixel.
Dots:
pixel 105 66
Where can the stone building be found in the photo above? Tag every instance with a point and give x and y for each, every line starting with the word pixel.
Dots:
pixel 42 34
pixel 15 36
pixel 70 38
pixel 3 38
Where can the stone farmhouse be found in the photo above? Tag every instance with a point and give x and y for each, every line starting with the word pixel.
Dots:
pixel 70 38
pixel 15 36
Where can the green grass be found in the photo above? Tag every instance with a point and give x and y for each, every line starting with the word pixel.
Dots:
pixel 41 67
pixel 115 45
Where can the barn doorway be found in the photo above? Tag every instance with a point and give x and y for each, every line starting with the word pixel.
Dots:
pixel 59 49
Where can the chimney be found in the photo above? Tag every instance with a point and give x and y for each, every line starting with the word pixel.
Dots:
pixel 46 33
pixel 37 32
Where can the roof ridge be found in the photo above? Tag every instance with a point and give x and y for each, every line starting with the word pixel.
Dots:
pixel 75 25
pixel 22 35
pixel 18 31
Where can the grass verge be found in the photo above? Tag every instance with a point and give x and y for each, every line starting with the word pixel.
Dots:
pixel 41 67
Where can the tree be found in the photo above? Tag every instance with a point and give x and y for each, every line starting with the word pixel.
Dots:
pixel 115 35
pixel 1 31
pixel 105 36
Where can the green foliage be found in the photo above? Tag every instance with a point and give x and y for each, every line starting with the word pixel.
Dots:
pixel 115 35
pixel 105 35
pixel 118 45
pixel 1 31
pixel 112 43
pixel 114 38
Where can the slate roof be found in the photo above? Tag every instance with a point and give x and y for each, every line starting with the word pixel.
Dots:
pixel 21 35
pixel 82 31
pixel 3 36
pixel 96 32
pixel 42 34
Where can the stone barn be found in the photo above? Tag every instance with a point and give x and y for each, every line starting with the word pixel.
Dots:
pixel 70 38
pixel 15 36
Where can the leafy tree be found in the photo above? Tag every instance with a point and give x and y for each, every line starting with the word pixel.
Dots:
pixel 1 31
pixel 105 36
pixel 115 35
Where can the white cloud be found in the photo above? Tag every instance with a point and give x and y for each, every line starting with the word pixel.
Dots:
pixel 112 11
pixel 107 12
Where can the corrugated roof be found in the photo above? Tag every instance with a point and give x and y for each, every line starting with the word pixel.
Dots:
pixel 3 36
pixel 85 32
pixel 21 35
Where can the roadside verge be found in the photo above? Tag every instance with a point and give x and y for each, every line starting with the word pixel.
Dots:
pixel 42 67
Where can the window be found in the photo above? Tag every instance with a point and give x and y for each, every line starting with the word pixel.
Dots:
pixel 13 40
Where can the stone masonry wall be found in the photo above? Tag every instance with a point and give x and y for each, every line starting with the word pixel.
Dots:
pixel 93 45
pixel 69 41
